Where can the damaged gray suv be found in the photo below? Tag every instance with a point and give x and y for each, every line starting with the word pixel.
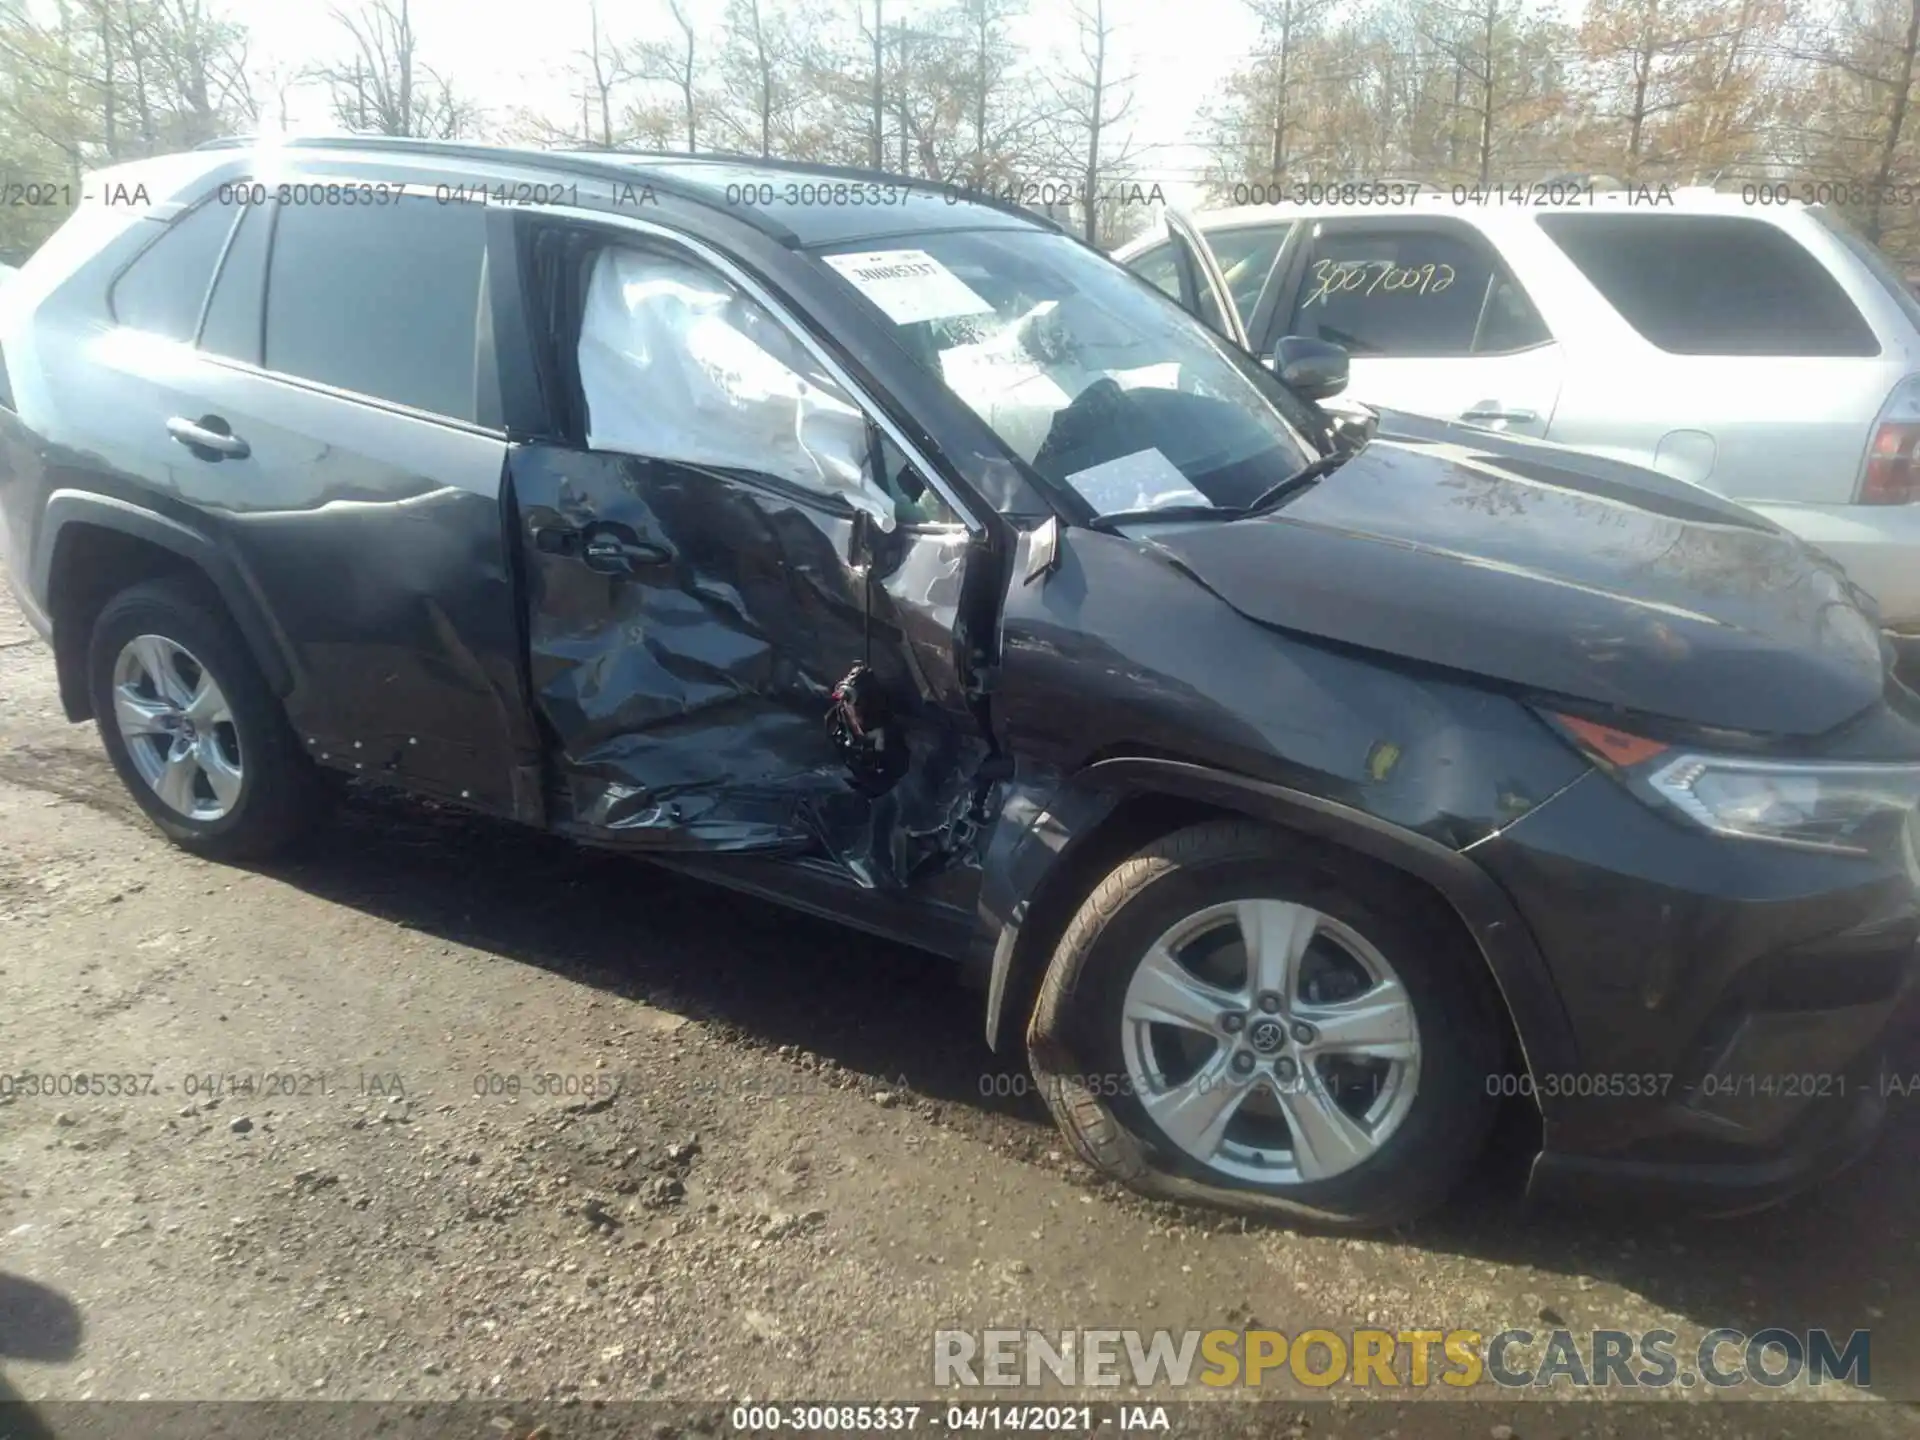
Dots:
pixel 1294 788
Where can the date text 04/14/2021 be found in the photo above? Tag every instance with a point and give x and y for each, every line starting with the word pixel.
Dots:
pixel 974 1417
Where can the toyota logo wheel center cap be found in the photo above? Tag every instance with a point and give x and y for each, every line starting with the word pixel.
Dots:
pixel 1266 1035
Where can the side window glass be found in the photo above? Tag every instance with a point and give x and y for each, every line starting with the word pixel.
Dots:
pixel 380 300
pixel 162 291
pixel 1159 269
pixel 233 312
pixel 1245 256
pixel 1205 306
pixel 914 501
pixel 678 365
pixel 1399 292
pixel 1209 309
pixel 1510 322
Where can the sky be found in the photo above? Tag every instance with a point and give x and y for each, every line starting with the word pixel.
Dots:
pixel 504 55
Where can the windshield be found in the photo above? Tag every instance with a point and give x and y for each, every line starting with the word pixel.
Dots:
pixel 1087 373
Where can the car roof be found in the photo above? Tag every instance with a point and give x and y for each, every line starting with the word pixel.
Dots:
pixel 804 204
pixel 828 204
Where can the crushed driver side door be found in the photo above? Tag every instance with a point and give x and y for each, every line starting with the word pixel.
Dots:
pixel 750 615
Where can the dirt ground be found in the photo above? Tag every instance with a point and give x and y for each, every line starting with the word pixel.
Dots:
pixel 779 1158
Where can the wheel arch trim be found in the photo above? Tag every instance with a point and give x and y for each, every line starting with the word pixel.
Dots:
pixel 1519 971
pixel 242 599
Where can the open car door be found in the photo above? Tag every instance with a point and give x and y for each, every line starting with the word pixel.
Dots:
pixel 1216 305
pixel 747 608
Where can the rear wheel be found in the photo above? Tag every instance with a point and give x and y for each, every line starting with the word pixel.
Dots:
pixel 1233 1017
pixel 192 728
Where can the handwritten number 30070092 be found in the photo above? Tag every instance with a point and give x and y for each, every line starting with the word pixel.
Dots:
pixel 1345 277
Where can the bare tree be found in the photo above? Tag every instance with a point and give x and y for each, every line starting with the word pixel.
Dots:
pixel 1283 24
pixel 676 62
pixel 129 77
pixel 1858 122
pixel 1900 97
pixel 783 82
pixel 943 97
pixel 91 82
pixel 607 68
pixel 205 62
pixel 927 97
pixel 48 96
pixel 752 72
pixel 133 26
pixel 1673 89
pixel 1090 102
pixel 384 88
pixel 1002 122
pixel 1507 91
pixel 876 45
pixel 1468 32
pixel 1388 90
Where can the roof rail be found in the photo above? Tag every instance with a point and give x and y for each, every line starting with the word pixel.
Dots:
pixel 618 165
pixel 572 161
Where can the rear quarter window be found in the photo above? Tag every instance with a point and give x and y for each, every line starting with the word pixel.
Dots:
pixel 163 289
pixel 1714 284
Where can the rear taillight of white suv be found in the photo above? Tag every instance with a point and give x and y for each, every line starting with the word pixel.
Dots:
pixel 1891 475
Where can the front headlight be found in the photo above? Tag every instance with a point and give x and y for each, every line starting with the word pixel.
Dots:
pixel 1841 807
pixel 1857 809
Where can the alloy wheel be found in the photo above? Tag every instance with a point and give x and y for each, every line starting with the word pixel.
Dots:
pixel 178 727
pixel 1270 1042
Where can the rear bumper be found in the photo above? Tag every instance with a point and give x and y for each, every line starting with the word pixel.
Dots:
pixel 1877 545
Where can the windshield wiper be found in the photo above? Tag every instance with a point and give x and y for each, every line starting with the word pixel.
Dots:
pixel 1112 520
pixel 1269 499
pixel 1277 494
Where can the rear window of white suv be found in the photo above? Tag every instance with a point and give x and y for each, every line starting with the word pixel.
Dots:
pixel 1713 284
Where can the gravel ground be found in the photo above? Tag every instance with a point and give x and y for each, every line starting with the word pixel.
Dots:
pixel 778 1156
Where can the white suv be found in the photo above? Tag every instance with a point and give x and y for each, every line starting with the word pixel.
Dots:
pixel 1763 351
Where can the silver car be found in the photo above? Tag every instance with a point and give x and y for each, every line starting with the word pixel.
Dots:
pixel 1654 327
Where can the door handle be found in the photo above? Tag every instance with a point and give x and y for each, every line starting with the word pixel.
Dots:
pixel 608 549
pixel 209 437
pixel 1492 410
pixel 610 553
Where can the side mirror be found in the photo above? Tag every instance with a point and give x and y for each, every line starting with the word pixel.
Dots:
pixel 1312 369
pixel 1352 428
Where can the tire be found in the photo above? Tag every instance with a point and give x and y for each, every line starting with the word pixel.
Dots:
pixel 267 794
pixel 1384 951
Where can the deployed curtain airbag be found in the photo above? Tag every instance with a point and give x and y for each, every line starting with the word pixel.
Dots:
pixel 676 365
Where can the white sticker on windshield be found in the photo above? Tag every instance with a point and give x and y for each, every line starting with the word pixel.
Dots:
pixel 909 285
pixel 1144 480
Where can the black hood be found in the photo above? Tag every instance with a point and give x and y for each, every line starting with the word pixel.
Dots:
pixel 1534 565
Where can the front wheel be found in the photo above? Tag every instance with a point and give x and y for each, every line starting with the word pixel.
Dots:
pixel 192 728
pixel 1234 1017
